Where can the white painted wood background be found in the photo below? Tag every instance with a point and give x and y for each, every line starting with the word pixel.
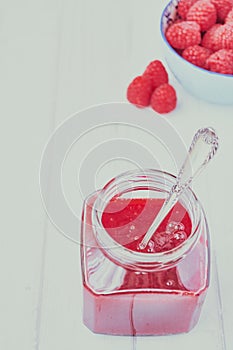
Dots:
pixel 56 58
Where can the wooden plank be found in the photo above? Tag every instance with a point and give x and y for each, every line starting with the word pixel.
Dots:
pixel 29 51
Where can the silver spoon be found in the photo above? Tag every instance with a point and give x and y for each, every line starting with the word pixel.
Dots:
pixel 202 149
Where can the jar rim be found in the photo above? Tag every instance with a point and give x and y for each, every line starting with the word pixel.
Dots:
pixel 133 259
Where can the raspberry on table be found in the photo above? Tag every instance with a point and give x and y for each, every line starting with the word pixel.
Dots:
pixel 222 8
pixel 184 6
pixel 211 39
pixel 157 73
pixel 164 99
pixel 139 91
pixel 221 61
pixel 183 34
pixel 229 17
pixel 197 55
pixel 204 13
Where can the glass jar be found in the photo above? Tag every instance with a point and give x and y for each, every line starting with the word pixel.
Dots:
pixel 131 292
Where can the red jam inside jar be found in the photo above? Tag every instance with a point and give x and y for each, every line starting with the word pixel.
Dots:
pixel 127 221
pixel 156 291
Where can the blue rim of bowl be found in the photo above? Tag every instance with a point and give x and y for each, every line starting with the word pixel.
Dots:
pixel 227 76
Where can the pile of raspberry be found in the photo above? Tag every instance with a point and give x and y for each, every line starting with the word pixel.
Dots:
pixel 203 34
pixel 153 89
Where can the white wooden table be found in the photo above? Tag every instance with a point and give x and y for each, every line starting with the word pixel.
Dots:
pixel 56 58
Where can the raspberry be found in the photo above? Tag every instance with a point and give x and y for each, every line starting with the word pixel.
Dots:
pixel 222 8
pixel 229 17
pixel 157 73
pixel 178 20
pixel 197 55
pixel 183 34
pixel 221 62
pixel 225 33
pixel 211 39
pixel 164 99
pixel 139 91
pixel 204 13
pixel 184 6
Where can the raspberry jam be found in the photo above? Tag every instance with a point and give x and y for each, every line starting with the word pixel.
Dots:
pixel 127 221
pixel 155 291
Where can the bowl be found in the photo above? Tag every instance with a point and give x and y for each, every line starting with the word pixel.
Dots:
pixel 201 83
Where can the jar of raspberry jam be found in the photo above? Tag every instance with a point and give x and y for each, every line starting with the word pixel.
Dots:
pixel 155 291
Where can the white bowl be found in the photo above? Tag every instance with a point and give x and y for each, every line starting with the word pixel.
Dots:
pixel 203 84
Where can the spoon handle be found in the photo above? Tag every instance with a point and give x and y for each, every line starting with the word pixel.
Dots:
pixel 202 149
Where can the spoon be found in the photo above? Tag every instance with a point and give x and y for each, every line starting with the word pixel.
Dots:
pixel 202 149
